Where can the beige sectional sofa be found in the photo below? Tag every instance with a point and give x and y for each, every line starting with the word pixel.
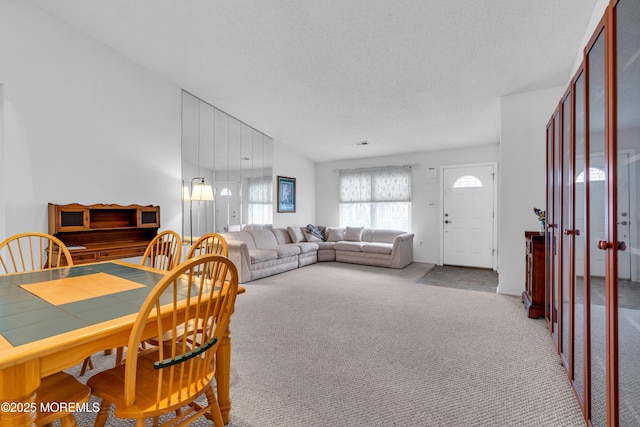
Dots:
pixel 262 253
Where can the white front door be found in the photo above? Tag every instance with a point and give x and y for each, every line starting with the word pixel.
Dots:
pixel 468 216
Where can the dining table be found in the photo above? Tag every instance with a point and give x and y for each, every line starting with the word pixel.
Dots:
pixel 51 320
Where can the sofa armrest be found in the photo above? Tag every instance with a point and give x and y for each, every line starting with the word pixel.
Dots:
pixel 239 255
pixel 402 251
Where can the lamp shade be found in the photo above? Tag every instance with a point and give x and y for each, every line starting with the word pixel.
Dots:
pixel 202 191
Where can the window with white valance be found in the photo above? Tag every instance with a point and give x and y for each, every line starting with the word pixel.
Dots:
pixel 376 197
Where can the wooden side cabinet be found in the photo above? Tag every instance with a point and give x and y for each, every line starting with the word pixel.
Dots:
pixel 102 232
pixel 533 296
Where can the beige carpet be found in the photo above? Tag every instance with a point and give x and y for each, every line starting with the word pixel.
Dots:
pixel 348 345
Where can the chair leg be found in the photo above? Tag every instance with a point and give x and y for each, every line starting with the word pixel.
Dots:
pixel 214 407
pixel 68 421
pixel 103 414
pixel 119 355
pixel 88 363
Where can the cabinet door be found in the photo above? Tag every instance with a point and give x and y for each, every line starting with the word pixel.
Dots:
pixel 72 219
pixel 149 217
pixel 577 372
pixel 595 177
pixel 548 232
pixel 625 217
pixel 566 228
pixel 553 229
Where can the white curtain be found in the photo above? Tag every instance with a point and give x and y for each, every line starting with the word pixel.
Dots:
pixel 376 198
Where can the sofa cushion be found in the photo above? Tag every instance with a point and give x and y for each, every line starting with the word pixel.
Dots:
pixel 310 237
pixel 287 250
pixel 325 245
pixel 348 246
pixel 264 239
pixel 282 235
pixel 353 234
pixel 261 255
pixel 377 248
pixel 306 247
pixel 296 234
pixel 382 235
pixel 335 234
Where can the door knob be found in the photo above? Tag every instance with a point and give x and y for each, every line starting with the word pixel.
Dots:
pixel 604 245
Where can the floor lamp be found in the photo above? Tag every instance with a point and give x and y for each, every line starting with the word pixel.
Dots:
pixel 199 192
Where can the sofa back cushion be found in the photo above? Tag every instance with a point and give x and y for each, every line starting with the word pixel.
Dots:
pixel 335 234
pixel 242 236
pixel 310 237
pixel 380 235
pixel 282 236
pixel 296 234
pixel 264 239
pixel 353 234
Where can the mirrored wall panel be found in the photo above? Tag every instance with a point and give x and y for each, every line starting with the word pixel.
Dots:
pixel 227 172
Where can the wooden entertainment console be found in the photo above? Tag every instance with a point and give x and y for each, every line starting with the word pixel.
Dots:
pixel 102 232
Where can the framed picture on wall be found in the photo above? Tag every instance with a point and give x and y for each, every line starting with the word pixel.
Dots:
pixel 286 194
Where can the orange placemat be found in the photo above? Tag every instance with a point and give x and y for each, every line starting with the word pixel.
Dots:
pixel 72 289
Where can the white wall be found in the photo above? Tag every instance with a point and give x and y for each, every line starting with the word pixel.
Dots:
pixel 522 178
pixel 82 124
pixel 287 162
pixel 425 199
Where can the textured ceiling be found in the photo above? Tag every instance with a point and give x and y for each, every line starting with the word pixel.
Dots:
pixel 319 75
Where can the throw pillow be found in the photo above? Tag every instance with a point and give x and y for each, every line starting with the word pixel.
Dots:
pixel 296 234
pixel 335 234
pixel 311 238
pixel 353 234
pixel 317 231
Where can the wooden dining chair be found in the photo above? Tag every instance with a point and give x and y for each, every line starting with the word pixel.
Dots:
pixel 169 378
pixel 35 251
pixel 163 252
pixel 32 252
pixel 212 243
pixel 55 389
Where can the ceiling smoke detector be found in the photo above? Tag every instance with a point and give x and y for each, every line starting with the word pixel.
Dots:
pixel 361 142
